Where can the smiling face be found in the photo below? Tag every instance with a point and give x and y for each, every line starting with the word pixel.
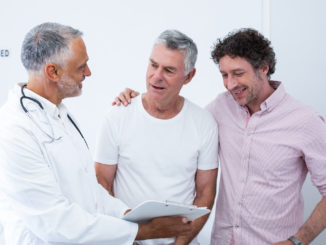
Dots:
pixel 165 74
pixel 75 70
pixel 246 85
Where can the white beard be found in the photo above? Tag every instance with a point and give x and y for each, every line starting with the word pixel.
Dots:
pixel 68 87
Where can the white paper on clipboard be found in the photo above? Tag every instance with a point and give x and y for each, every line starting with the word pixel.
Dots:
pixel 150 209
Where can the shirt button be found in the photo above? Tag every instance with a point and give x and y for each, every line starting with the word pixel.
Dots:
pixel 239 203
pixel 242 180
pixel 248 134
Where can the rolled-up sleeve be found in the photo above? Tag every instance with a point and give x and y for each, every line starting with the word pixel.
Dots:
pixel 314 150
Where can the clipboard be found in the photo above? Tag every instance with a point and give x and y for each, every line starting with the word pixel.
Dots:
pixel 150 209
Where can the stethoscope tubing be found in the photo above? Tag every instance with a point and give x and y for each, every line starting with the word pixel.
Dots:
pixel 40 105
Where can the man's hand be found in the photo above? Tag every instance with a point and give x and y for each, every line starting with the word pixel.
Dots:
pixel 205 194
pixel 125 97
pixel 287 242
pixel 163 227
pixel 182 240
pixel 313 226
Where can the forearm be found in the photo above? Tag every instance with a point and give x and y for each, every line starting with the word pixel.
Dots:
pixel 201 200
pixel 196 225
pixel 105 175
pixel 107 186
pixel 314 225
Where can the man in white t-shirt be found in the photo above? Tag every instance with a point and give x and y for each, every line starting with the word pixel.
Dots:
pixel 162 146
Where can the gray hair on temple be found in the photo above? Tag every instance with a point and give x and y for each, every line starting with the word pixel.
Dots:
pixel 45 43
pixel 176 40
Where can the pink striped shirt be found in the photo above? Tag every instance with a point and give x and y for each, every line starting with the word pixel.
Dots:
pixel 265 158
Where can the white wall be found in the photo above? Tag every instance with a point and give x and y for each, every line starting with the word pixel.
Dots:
pixel 299 39
pixel 119 37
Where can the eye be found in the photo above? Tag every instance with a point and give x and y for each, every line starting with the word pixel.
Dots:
pixel 82 68
pixel 154 65
pixel 238 74
pixel 224 75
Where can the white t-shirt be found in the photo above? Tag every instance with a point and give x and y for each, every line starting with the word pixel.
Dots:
pixel 157 158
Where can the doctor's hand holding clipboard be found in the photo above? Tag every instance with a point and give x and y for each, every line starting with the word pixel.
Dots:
pixel 150 209
pixel 154 214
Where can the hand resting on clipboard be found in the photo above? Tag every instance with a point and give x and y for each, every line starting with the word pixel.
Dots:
pixel 150 209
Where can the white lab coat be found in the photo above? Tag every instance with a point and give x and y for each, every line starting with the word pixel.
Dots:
pixel 48 191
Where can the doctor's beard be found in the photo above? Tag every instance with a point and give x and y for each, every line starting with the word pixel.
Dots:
pixel 68 87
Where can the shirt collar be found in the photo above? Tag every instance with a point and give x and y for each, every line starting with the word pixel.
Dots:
pixel 275 98
pixel 50 108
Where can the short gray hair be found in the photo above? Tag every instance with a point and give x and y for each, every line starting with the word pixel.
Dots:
pixel 48 42
pixel 176 40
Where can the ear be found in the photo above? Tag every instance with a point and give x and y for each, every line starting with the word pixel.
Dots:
pixel 264 69
pixel 189 77
pixel 53 72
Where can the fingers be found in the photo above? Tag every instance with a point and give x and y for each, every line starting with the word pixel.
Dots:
pixel 174 226
pixel 128 94
pixel 186 227
pixel 164 227
pixel 121 99
pixel 125 97
pixel 116 101
pixel 134 94
pixel 185 220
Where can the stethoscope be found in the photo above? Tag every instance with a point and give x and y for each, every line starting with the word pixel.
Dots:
pixel 51 136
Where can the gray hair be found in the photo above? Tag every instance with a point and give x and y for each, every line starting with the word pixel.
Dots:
pixel 48 42
pixel 176 40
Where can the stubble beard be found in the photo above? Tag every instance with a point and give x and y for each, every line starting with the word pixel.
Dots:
pixel 68 87
pixel 253 92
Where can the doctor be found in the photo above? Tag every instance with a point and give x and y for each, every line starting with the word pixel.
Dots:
pixel 48 188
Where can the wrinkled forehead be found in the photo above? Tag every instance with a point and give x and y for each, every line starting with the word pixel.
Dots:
pixel 163 55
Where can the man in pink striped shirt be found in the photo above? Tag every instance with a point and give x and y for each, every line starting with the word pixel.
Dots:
pixel 268 143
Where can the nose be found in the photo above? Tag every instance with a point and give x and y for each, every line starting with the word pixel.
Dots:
pixel 87 71
pixel 230 83
pixel 158 75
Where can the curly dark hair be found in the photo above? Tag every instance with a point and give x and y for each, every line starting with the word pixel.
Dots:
pixel 248 44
